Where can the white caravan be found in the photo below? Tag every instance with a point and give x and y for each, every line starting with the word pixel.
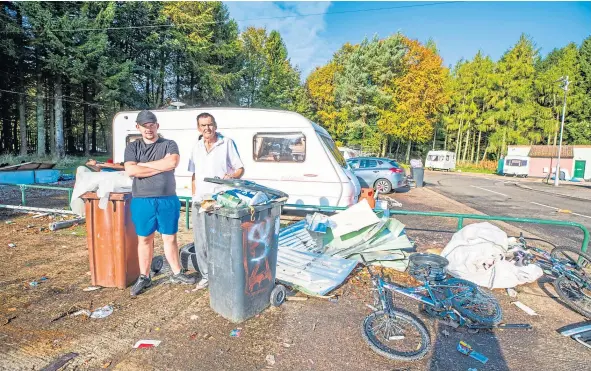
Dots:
pixel 441 160
pixel 279 149
pixel 516 166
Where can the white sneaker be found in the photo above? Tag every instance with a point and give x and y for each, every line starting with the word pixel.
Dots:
pixel 202 284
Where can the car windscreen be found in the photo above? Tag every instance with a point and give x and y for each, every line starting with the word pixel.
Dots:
pixel 333 149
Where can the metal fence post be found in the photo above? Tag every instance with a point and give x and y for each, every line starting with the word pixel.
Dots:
pixel 23 188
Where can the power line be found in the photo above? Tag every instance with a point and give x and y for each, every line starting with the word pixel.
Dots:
pixel 63 99
pixel 248 19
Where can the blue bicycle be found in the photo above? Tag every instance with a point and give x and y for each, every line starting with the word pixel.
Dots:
pixel 398 335
pixel 570 268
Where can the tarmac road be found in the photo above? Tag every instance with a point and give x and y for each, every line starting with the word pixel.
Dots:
pixel 501 196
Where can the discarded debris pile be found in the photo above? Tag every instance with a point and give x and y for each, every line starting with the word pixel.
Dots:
pixel 317 254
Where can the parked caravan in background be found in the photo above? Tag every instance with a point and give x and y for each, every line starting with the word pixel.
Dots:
pixel 279 149
pixel 516 166
pixel 441 160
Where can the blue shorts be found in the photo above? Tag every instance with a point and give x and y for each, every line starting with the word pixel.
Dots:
pixel 150 214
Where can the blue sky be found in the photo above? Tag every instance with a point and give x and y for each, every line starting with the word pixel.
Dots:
pixel 459 29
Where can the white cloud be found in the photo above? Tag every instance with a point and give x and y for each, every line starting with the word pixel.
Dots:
pixel 301 35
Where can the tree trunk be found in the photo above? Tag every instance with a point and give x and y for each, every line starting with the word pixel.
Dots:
pixel 59 119
pixel 459 138
pixel 51 120
pixel 434 135
pixel 408 151
pixel 40 107
pixel 445 141
pixel 93 118
pixel 162 65
pixel 22 103
pixel 504 139
pixel 192 96
pixel 397 149
pixel 473 147
pixel 86 118
pixel 178 77
pixel 391 144
pixel 485 152
pixel 466 145
pixel 478 150
pixel 70 144
pixel 384 146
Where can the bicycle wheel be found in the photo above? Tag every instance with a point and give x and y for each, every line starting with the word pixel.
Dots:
pixel 576 293
pixel 397 336
pixel 473 303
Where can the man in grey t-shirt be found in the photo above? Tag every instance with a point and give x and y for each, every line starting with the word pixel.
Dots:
pixel 155 206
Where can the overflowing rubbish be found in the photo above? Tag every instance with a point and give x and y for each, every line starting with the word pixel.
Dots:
pixel 103 312
pixel 478 252
pixel 314 260
pixel 147 344
pixel 467 349
pixel 103 183
pixel 236 332
pixel 524 308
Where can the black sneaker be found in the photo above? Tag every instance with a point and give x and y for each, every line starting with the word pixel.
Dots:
pixel 182 277
pixel 142 283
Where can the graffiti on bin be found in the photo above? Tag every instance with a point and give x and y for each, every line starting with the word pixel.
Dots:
pixel 257 241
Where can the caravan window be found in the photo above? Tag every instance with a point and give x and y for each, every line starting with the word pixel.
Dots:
pixel 447 158
pixel 279 147
pixel 333 149
pixel 515 162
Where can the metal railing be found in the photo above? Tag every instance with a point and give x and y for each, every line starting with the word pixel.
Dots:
pixel 24 187
pixel 459 217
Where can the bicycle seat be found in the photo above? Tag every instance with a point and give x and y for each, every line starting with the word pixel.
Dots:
pixel 430 267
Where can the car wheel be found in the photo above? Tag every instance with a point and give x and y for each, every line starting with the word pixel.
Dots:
pixel 383 186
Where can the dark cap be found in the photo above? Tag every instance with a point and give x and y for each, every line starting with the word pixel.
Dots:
pixel 145 117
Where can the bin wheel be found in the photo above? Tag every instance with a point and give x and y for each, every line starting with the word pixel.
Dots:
pixel 157 264
pixel 278 295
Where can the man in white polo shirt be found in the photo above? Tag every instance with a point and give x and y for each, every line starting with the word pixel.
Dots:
pixel 213 155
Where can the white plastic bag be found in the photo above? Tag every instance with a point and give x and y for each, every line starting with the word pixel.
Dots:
pixel 102 182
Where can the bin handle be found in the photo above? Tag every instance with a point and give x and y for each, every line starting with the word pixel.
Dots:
pixel 252 213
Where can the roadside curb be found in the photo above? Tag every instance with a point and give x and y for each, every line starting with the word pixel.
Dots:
pixel 515 231
pixel 522 186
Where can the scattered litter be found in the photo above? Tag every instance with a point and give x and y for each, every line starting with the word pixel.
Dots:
pixel 445 333
pixel 524 308
pixel 92 288
pixel 314 325
pixel 286 345
pixel 466 349
pixel 353 219
pixel 194 317
pixel 106 364
pixel 30 226
pixel 157 329
pixel 11 245
pixel 207 336
pixel 270 359
pixel 103 312
pixel 333 300
pixel 60 362
pixel 371 307
pixel 296 298
pixel 472 369
pixel 8 320
pixel 43 278
pixel 40 215
pixel 85 312
pixel 193 336
pixel 9 222
pixel 579 333
pixel 41 229
pixel 511 292
pixel 146 344
pixel 34 284
pixel 236 332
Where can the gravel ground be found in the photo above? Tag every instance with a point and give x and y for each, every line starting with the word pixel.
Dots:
pixel 315 334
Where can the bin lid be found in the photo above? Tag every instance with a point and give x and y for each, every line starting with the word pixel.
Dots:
pixel 240 212
pixel 113 196
pixel 248 185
